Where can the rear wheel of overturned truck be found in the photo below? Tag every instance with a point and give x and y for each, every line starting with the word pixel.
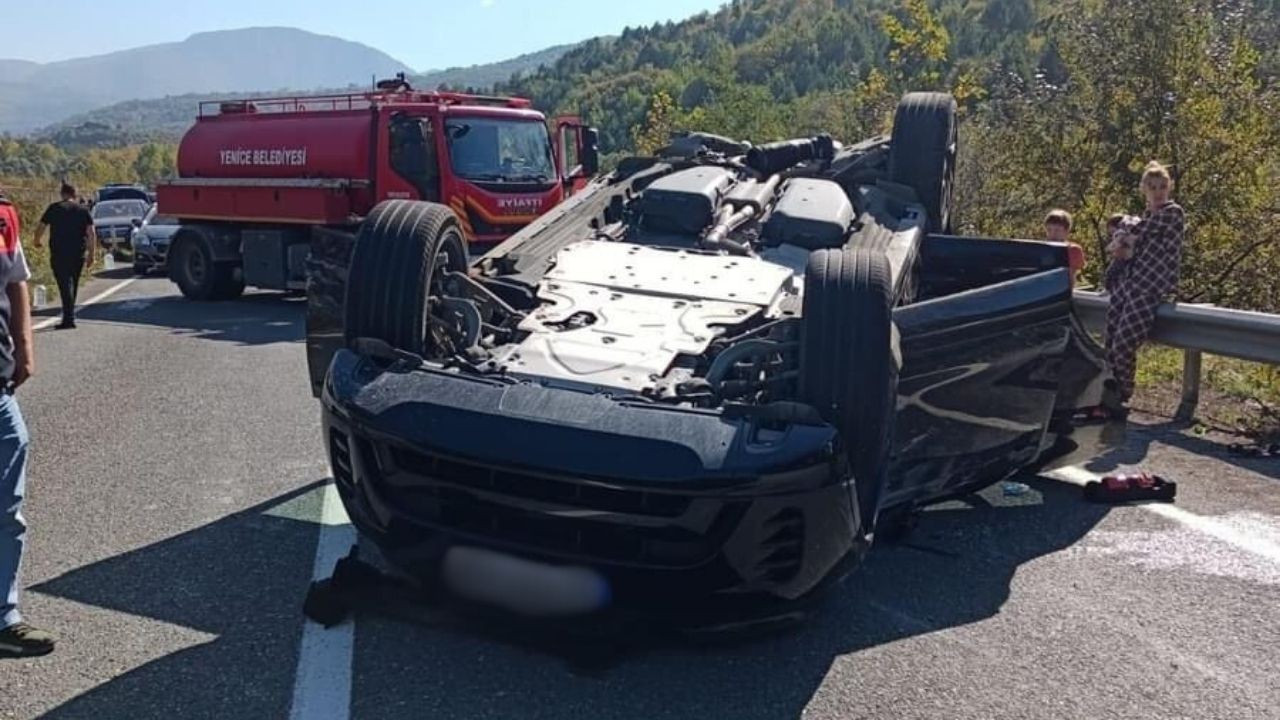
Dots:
pixel 922 153
pixel 849 361
pixel 403 249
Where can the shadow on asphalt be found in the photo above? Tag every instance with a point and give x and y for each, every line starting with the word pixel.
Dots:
pixel 53 308
pixel 955 570
pixel 1138 447
pixel 243 577
pixel 255 319
pixel 123 271
pixel 240 579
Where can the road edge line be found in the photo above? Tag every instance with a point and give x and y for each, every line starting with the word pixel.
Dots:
pixel 322 681
pixel 49 322
pixel 1077 475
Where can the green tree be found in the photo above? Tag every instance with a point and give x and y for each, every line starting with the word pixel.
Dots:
pixel 658 125
pixel 1179 82
pixel 918 44
pixel 155 162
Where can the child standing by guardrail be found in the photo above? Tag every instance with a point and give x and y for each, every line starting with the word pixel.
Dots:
pixel 1139 284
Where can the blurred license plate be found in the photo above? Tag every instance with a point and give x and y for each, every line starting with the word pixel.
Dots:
pixel 523 586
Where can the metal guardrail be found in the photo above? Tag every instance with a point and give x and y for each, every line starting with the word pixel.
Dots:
pixel 1198 329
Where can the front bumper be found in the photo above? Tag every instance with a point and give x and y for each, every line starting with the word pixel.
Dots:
pixel 149 254
pixel 679 510
pixel 114 236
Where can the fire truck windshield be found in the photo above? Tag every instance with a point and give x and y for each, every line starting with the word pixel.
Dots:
pixel 500 150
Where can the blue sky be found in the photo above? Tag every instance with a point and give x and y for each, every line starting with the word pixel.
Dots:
pixel 427 34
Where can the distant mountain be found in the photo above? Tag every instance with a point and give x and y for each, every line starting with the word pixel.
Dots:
pixel 15 71
pixel 133 121
pixel 166 118
pixel 488 75
pixel 34 95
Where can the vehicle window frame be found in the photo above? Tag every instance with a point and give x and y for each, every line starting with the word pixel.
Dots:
pixel 547 153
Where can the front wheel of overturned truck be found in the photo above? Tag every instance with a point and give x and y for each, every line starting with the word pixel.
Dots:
pixel 403 247
pixel 849 361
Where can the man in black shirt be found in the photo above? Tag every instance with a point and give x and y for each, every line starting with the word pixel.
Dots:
pixel 71 246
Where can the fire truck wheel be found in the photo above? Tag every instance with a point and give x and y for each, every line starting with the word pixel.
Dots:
pixel 192 267
pixel 402 247
pixel 228 282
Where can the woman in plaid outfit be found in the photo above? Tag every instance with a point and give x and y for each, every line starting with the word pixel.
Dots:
pixel 1140 279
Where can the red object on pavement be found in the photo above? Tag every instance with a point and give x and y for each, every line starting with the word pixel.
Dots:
pixel 1130 488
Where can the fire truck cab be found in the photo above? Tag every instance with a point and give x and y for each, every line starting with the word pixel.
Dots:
pixel 260 180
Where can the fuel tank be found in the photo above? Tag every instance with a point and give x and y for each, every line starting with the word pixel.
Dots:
pixel 318 145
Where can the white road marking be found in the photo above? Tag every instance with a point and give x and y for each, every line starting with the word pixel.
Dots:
pixel 49 322
pixel 1225 532
pixel 322 689
pixel 1075 475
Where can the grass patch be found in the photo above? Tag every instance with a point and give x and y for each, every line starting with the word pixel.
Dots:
pixel 1235 394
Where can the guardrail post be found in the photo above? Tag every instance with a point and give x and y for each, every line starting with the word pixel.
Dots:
pixel 1190 386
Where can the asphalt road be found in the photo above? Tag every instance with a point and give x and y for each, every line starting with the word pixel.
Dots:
pixel 176 487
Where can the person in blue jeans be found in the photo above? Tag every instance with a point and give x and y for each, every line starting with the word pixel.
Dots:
pixel 17 363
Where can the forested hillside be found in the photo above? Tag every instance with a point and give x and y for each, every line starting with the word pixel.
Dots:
pixel 136 121
pixel 1063 102
pixel 756 66
pixel 485 76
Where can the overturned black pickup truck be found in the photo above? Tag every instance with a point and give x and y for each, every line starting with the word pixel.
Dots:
pixel 700 386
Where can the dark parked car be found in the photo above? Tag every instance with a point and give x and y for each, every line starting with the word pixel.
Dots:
pixel 701 386
pixel 151 241
pixel 114 221
pixel 123 191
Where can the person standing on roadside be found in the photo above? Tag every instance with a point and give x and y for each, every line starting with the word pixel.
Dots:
pixel 1145 265
pixel 17 363
pixel 71 245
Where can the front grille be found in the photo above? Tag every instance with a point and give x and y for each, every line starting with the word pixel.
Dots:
pixel 528 486
pixel 566 517
pixel 783 546
pixel 485 228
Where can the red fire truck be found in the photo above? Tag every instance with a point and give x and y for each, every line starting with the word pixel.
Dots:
pixel 260 180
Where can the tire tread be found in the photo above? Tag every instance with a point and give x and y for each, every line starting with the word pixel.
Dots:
pixel 390 272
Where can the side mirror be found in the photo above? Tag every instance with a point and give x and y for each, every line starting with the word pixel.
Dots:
pixel 590 151
pixel 137 222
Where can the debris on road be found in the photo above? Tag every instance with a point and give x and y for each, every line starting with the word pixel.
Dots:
pixel 1255 451
pixel 1130 488
pixel 1015 489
